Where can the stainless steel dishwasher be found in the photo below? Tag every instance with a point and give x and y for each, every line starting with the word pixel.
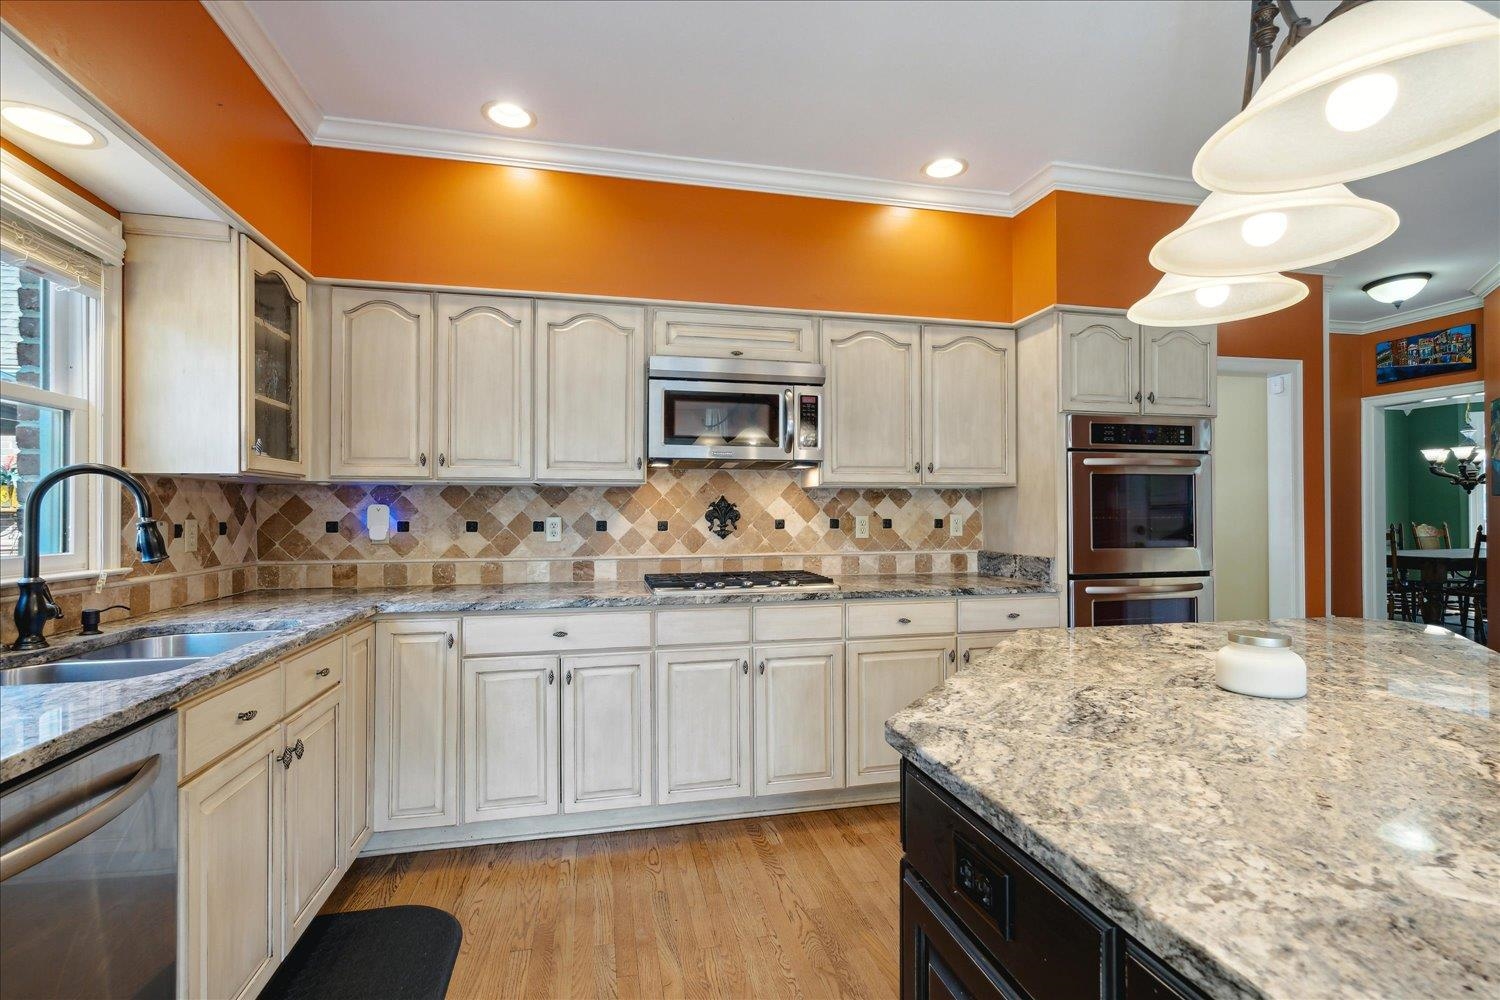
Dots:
pixel 88 872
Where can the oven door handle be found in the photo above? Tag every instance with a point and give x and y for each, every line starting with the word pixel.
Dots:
pixel 1146 588
pixel 1144 463
pixel 129 783
pixel 788 428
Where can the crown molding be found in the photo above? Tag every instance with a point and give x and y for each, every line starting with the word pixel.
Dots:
pixel 1084 179
pixel 1408 317
pixel 1488 282
pixel 244 31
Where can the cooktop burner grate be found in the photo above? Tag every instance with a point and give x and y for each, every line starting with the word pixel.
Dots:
pixel 772 580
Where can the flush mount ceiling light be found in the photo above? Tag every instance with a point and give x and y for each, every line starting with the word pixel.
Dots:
pixel 53 126
pixel 1182 300
pixel 509 115
pixel 1375 87
pixel 945 167
pixel 1397 288
pixel 1255 234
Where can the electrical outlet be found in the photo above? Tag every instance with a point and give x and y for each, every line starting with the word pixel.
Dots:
pixel 861 526
pixel 554 529
pixel 955 525
pixel 190 533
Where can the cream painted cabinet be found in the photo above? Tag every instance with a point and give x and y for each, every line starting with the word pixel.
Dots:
pixel 971 647
pixel 590 392
pixel 799 717
pixel 359 713
pixel 873 393
pixel 884 676
pixel 606 731
pixel 313 850
pixel 380 400
pixel 968 406
pixel 1100 363
pixel 416 724
pixel 483 396
pixel 1179 370
pixel 510 737
pixel 727 333
pixel 231 843
pixel 215 363
pixel 702 724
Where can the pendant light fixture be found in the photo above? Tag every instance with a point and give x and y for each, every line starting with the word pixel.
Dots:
pixel 1377 86
pixel 1253 234
pixel 1183 300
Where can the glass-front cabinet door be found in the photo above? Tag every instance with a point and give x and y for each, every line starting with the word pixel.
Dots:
pixel 274 300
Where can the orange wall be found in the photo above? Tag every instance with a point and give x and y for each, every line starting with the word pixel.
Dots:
pixel 166 68
pixel 384 217
pixel 1352 378
pixel 1034 258
pixel 55 175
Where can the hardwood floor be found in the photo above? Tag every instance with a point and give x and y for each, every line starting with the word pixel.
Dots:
pixel 802 905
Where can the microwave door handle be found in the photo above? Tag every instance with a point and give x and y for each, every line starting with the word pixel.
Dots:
pixel 1145 588
pixel 1125 463
pixel 788 429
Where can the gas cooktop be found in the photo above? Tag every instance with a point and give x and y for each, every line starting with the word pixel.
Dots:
pixel 773 581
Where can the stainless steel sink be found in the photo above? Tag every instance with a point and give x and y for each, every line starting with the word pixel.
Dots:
pixel 132 658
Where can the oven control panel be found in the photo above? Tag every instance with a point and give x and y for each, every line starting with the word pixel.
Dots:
pixel 1122 433
pixel 807 421
pixel 1161 435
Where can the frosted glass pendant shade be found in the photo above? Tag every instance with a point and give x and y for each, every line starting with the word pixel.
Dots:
pixel 1180 300
pixel 1252 234
pixel 1381 86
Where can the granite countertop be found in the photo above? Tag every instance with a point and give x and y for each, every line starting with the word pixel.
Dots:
pixel 1344 845
pixel 41 722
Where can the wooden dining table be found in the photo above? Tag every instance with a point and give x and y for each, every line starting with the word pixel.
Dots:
pixel 1434 566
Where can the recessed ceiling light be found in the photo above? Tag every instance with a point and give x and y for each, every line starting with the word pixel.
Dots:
pixel 50 125
pixel 944 167
pixel 508 115
pixel 1398 287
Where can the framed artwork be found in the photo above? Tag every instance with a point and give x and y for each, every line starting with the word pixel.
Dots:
pixel 1493 451
pixel 1437 352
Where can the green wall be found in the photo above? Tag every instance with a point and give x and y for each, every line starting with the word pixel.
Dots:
pixel 1412 493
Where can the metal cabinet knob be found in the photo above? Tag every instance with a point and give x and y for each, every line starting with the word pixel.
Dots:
pixel 247 716
pixel 259 447
pixel 568 677
pixel 917 468
pixel 929 466
pixel 1013 615
pixel 323 673
pixel 952 656
pixel 560 634
pixel 745 667
pixel 450 640
pixel 1151 397
pixel 762 667
pixel 736 354
pixel 967 652
pixel 638 461
pixel 442 459
pixel 286 758
pixel 298 749
pixel 1137 397
pixel 903 621
pixel 551 677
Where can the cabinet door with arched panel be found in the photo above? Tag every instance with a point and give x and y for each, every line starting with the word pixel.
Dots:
pixel 968 406
pixel 1179 370
pixel 484 345
pixel 1100 363
pixel 874 391
pixel 591 392
pixel 381 400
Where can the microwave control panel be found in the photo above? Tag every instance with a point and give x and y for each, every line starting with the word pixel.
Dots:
pixel 807 421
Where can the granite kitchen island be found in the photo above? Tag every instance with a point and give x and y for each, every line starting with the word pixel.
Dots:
pixel 1344 845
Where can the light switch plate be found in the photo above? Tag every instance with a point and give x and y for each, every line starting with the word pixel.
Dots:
pixel 378 522
pixel 955 525
pixel 861 526
pixel 554 529
pixel 190 533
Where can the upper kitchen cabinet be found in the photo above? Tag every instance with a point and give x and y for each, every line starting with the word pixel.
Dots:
pixel 874 402
pixel 212 317
pixel 724 333
pixel 591 392
pixel 1110 365
pixel 380 403
pixel 483 394
pixel 1179 370
pixel 968 406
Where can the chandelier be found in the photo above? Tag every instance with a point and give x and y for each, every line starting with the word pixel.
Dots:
pixel 1470 465
pixel 1379 84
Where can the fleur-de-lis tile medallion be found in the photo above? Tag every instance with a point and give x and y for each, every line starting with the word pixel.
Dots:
pixel 722 517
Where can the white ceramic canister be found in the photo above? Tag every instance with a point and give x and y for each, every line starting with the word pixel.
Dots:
pixel 1260 664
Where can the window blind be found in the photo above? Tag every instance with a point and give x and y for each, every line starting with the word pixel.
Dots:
pixel 27 246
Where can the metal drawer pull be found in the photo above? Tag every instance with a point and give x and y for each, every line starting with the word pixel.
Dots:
pixel 450 640
pixel 1014 615
pixel 745 667
pixel 422 459
pixel 323 673
pixel 568 677
pixel 952 655
pixel 967 652
pixel 247 716
pixel 132 780
pixel 299 749
pixel 285 759
pixel 551 677
pixel 442 459
pixel 762 667
pixel 560 634
pixel 1151 397
pixel 903 621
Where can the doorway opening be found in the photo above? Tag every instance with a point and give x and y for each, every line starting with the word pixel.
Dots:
pixel 1259 540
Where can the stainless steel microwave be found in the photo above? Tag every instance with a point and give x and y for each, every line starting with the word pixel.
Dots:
pixel 734 413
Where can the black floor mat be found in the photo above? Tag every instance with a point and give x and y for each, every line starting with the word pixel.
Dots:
pixel 404 952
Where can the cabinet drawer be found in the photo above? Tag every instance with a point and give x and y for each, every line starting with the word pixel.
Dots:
pixel 703 627
pixel 872 619
pixel 796 622
pixel 1048 941
pixel 560 633
pixel 225 719
pixel 715 333
pixel 1001 614
pixel 309 674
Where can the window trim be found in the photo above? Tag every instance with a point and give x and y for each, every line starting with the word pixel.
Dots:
pixel 42 201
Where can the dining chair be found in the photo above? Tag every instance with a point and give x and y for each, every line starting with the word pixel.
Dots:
pixel 1430 536
pixel 1468 588
pixel 1402 593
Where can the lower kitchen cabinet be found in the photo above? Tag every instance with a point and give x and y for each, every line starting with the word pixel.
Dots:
pixel 359 713
pixel 938 961
pixel 702 724
pixel 606 731
pixel 884 676
pixel 799 718
pixel 972 647
pixel 416 720
pixel 510 737
pixel 231 873
pixel 313 850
